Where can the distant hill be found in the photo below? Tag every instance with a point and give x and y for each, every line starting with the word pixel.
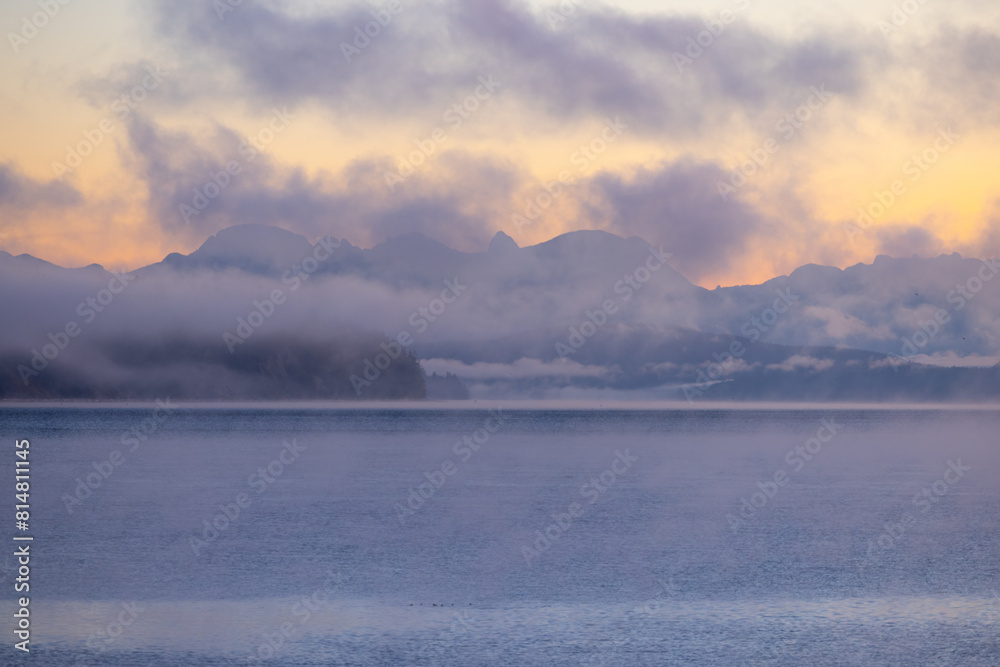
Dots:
pixel 586 311
pixel 282 369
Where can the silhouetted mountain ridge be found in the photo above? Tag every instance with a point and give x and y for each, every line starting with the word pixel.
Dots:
pixel 586 309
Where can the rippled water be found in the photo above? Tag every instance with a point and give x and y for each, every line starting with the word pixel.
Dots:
pixel 847 561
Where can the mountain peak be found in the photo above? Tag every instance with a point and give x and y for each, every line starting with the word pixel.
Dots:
pixel 260 249
pixel 411 239
pixel 251 236
pixel 502 243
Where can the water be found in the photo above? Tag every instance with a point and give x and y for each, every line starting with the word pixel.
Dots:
pixel 840 559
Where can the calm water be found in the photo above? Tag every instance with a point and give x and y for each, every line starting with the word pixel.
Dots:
pixel 880 545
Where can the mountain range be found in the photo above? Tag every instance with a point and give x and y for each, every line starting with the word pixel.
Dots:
pixel 260 312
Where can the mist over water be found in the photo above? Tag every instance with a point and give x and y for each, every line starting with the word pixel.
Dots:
pixel 509 536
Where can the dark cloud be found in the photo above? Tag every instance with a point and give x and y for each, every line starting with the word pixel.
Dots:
pixel 908 240
pixel 453 199
pixel 457 198
pixel 964 64
pixel 679 207
pixel 131 85
pixel 988 244
pixel 21 193
pixel 593 61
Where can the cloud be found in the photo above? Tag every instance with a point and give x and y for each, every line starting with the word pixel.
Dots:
pixel 678 206
pixel 454 200
pixel 841 326
pixel 596 62
pixel 732 367
pixel 559 76
pixel 20 193
pixel 908 240
pixel 988 243
pixel 799 362
pixel 593 62
pixel 954 360
pixel 521 369
pixel 960 65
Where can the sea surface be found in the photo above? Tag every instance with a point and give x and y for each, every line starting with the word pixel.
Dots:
pixel 492 534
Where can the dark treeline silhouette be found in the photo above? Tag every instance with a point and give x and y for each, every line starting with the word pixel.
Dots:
pixel 187 368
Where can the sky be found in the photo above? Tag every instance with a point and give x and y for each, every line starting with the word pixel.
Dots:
pixel 747 137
